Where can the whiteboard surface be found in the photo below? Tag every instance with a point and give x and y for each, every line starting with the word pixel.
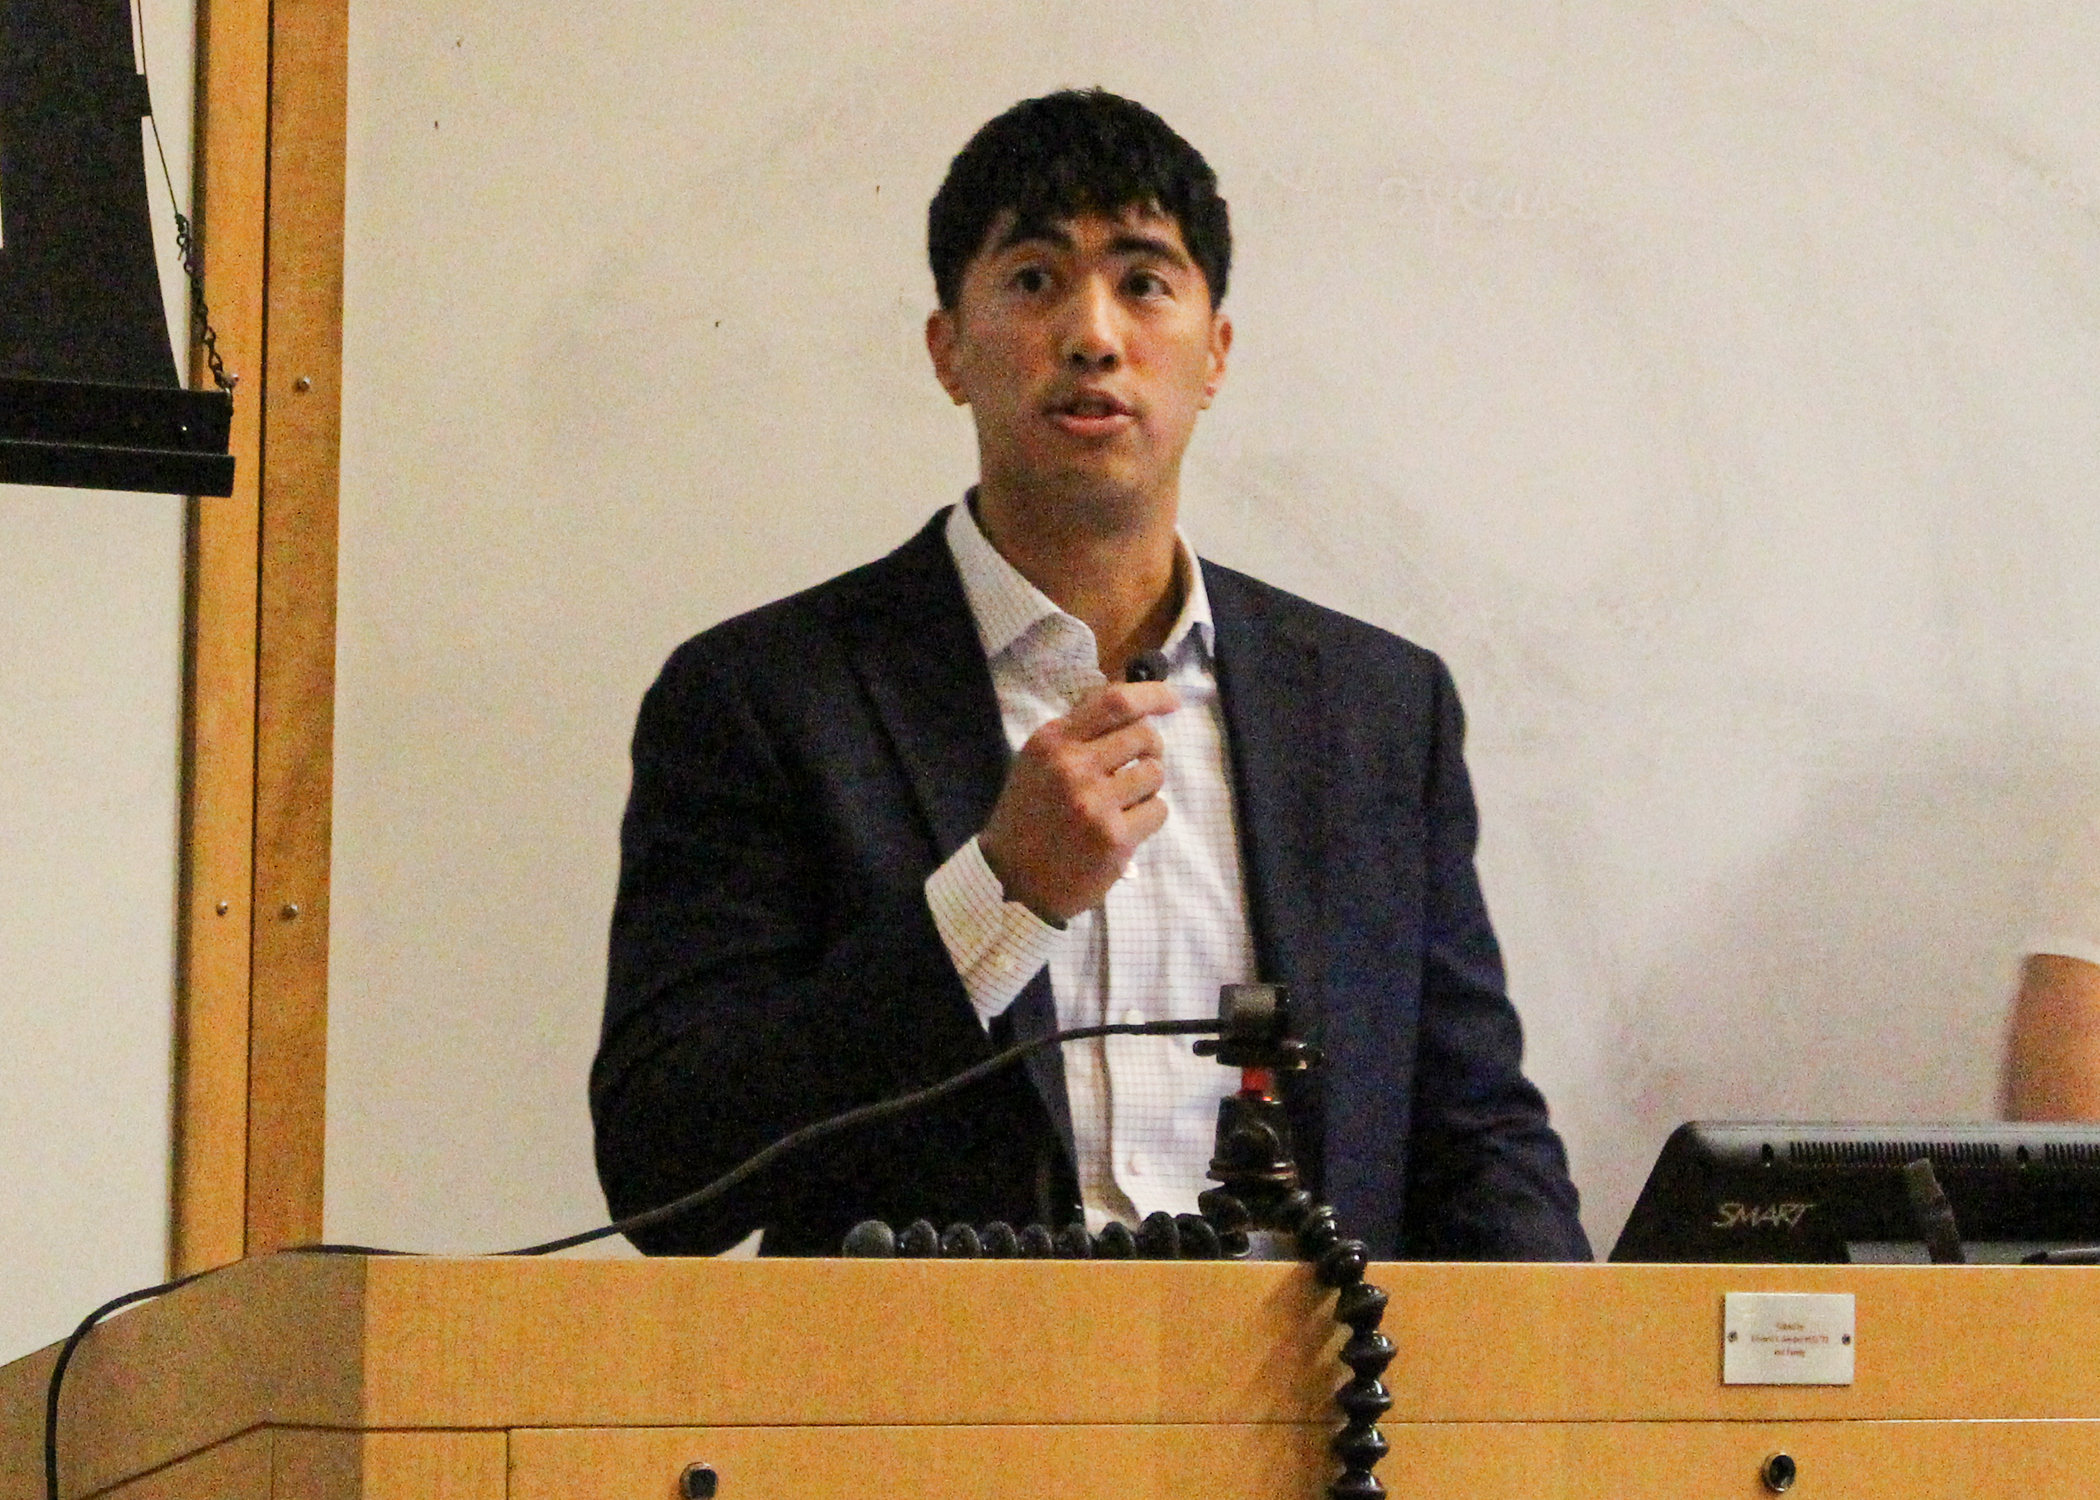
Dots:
pixel 1712 384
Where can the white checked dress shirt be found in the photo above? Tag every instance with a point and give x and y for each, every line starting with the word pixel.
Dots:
pixel 1173 929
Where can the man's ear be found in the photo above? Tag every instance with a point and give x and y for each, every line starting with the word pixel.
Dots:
pixel 941 335
pixel 1220 347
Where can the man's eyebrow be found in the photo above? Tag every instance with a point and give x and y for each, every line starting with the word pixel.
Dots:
pixel 1149 244
pixel 1022 232
pixel 1129 242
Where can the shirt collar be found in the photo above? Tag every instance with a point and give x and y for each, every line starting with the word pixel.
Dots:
pixel 1006 606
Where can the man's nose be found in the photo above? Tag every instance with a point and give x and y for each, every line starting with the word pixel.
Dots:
pixel 1092 336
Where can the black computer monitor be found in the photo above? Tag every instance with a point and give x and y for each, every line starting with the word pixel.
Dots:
pixel 1765 1192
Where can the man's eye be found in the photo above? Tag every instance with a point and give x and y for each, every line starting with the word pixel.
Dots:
pixel 1148 284
pixel 1031 279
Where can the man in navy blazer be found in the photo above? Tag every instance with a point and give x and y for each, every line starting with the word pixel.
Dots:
pixel 800 773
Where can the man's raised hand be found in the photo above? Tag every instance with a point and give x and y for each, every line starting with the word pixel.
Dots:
pixel 1080 797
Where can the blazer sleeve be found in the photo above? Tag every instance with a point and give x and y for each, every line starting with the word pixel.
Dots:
pixel 1488 1176
pixel 763 974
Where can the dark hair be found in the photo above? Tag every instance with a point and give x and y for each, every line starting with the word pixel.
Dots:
pixel 1073 152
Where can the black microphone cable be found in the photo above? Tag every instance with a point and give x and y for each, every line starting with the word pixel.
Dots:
pixel 882 1109
pixel 817 1130
pixel 65 1357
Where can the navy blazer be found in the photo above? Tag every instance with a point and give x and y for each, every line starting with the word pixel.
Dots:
pixel 801 769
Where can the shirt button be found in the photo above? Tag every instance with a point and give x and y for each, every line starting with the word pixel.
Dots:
pixel 1006 964
pixel 1130 871
pixel 1133 1017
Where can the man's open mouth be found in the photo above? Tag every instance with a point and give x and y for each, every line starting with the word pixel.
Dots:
pixel 1089 412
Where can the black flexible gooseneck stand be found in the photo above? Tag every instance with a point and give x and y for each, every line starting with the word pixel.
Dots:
pixel 1258 1192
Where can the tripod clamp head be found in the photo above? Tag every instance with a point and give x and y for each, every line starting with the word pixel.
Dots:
pixel 1254 1022
pixel 1253 1161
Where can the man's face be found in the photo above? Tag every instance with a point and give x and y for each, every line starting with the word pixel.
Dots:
pixel 1085 350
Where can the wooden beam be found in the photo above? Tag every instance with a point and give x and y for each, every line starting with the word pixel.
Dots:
pixel 253 1014
pixel 218 832
pixel 295 639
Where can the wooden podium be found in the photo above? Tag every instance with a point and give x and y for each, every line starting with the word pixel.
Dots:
pixel 304 1378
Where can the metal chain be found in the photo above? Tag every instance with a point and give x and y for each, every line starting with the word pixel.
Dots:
pixel 185 238
pixel 200 315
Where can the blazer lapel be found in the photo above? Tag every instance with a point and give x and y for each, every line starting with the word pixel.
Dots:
pixel 916 651
pixel 1034 1014
pixel 1276 708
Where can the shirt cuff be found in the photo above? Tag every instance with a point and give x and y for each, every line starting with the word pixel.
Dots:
pixel 995 944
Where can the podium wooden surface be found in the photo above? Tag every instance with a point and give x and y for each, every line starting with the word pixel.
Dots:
pixel 395 1379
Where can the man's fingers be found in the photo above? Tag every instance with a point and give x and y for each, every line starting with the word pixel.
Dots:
pixel 1080 798
pixel 1118 704
pixel 1145 819
pixel 1118 747
pixel 1137 780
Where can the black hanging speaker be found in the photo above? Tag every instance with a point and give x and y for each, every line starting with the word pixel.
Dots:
pixel 160 439
pixel 89 394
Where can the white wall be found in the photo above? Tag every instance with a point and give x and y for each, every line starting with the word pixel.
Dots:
pixel 90 749
pixel 90 699
pixel 1712 383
